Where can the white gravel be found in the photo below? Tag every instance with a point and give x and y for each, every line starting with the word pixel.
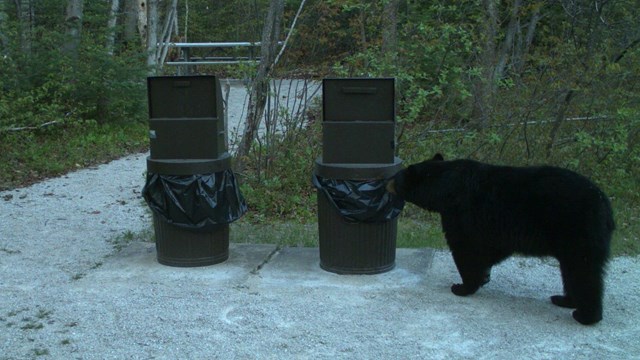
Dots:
pixel 77 283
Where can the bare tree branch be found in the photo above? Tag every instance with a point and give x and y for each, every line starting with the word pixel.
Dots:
pixel 25 128
pixel 625 50
pixel 170 25
pixel 286 40
pixel 260 85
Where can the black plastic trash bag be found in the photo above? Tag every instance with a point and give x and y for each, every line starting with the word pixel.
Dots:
pixel 195 202
pixel 365 201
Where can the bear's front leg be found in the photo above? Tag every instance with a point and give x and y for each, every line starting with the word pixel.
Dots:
pixel 473 271
pixel 462 290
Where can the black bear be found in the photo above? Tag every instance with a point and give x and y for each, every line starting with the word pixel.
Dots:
pixel 490 212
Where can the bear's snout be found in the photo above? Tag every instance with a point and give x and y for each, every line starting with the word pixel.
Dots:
pixel 391 187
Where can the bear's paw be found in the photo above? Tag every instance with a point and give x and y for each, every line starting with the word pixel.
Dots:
pixel 586 319
pixel 563 301
pixel 462 290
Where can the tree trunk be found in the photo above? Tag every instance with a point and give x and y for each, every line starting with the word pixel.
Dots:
pixel 389 26
pixel 390 33
pixel 524 44
pixel 260 85
pixel 152 36
pixel 73 23
pixel 363 24
pixel 104 101
pixel 142 21
pixel 25 16
pixel 130 22
pixel 508 42
pixel 185 33
pixel 111 26
pixel 4 42
pixel 560 117
pixel 484 87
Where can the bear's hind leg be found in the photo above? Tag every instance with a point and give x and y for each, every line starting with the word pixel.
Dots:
pixel 588 299
pixel 585 280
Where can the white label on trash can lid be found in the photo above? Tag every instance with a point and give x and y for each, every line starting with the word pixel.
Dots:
pixel 152 134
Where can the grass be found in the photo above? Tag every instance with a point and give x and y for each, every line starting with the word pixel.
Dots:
pixel 27 157
pixel 411 234
pixel 417 234
pixel 278 233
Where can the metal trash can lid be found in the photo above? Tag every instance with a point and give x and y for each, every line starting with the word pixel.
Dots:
pixel 350 171
pixel 188 166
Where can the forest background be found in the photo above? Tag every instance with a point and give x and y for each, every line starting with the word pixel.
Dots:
pixel 509 82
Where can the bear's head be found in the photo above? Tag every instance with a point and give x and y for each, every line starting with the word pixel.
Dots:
pixel 430 184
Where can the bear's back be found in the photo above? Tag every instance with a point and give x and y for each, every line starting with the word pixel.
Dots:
pixel 540 201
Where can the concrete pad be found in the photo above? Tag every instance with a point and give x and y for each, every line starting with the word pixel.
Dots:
pixel 301 266
pixel 264 303
pixel 138 263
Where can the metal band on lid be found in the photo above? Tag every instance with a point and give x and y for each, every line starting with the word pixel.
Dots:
pixel 357 171
pixel 188 166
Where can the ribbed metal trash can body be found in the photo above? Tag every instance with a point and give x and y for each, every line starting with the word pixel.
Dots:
pixel 185 248
pixel 188 138
pixel 355 247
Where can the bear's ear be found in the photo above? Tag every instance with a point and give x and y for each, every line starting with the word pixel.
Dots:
pixel 438 157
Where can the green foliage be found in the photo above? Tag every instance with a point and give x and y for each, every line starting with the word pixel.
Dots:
pixel 60 110
pixel 430 68
pixel 46 83
pixel 223 20
pixel 330 31
pixel 277 180
pixel 98 87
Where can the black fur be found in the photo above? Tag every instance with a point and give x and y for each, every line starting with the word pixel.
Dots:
pixel 491 212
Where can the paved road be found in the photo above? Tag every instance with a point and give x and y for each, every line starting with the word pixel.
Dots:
pixel 293 95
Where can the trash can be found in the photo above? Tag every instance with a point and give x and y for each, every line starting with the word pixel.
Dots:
pixel 190 186
pixel 357 217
